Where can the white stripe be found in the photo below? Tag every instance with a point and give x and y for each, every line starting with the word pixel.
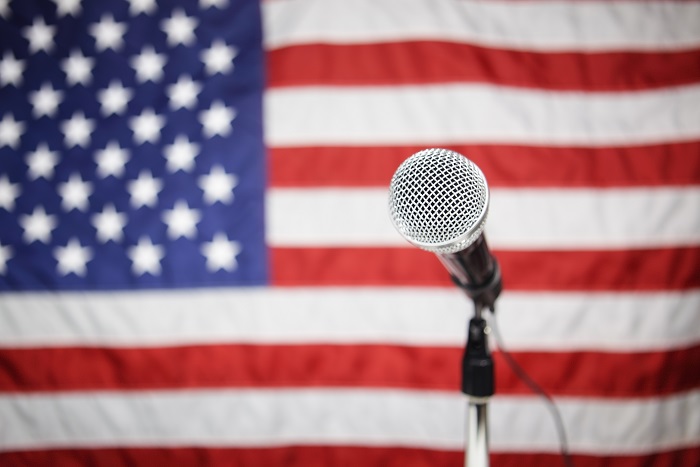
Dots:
pixel 544 25
pixel 518 218
pixel 461 113
pixel 250 418
pixel 405 316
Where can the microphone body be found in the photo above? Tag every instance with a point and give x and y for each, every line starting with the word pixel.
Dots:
pixel 438 201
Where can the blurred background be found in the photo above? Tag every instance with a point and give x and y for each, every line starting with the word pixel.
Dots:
pixel 197 265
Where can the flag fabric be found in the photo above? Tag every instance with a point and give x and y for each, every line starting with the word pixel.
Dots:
pixel 197 265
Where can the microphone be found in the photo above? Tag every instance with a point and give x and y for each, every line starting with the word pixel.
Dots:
pixel 438 201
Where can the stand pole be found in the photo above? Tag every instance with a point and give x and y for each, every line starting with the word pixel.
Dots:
pixel 477 453
pixel 478 385
pixel 477 363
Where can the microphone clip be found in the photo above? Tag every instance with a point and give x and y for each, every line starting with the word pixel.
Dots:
pixel 477 363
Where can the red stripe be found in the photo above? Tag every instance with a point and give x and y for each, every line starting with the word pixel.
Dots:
pixel 614 270
pixel 324 456
pixel 422 62
pixel 508 166
pixel 646 374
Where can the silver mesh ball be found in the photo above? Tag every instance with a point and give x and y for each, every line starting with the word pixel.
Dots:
pixel 438 200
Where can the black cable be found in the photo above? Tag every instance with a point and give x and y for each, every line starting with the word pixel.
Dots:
pixel 537 389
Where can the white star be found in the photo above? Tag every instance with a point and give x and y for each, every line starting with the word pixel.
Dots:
pixel 5 255
pixel 11 70
pixel 40 36
pixel 45 101
pixel 148 65
pixel 217 185
pixel 181 220
pixel 181 154
pixel 203 4
pixel 42 162
pixel 68 7
pixel 114 99
pixel 144 190
pixel 8 193
pixel 10 131
pixel 108 34
pixel 221 253
pixel 75 193
pixel 5 9
pixel 109 224
pixel 217 119
pixel 111 160
pixel 183 94
pixel 73 258
pixel 141 6
pixel 38 225
pixel 146 126
pixel 179 28
pixel 78 68
pixel 219 57
pixel 77 130
pixel 145 257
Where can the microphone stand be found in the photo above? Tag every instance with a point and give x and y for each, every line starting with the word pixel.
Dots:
pixel 478 385
pixel 477 371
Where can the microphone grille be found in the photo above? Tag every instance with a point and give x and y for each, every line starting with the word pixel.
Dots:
pixel 438 200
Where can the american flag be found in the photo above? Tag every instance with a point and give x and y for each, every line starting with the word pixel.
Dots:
pixel 197 265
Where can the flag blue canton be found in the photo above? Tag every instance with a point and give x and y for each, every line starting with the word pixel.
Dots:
pixel 131 151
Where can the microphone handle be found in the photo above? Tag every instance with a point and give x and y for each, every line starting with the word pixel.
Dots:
pixel 476 271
